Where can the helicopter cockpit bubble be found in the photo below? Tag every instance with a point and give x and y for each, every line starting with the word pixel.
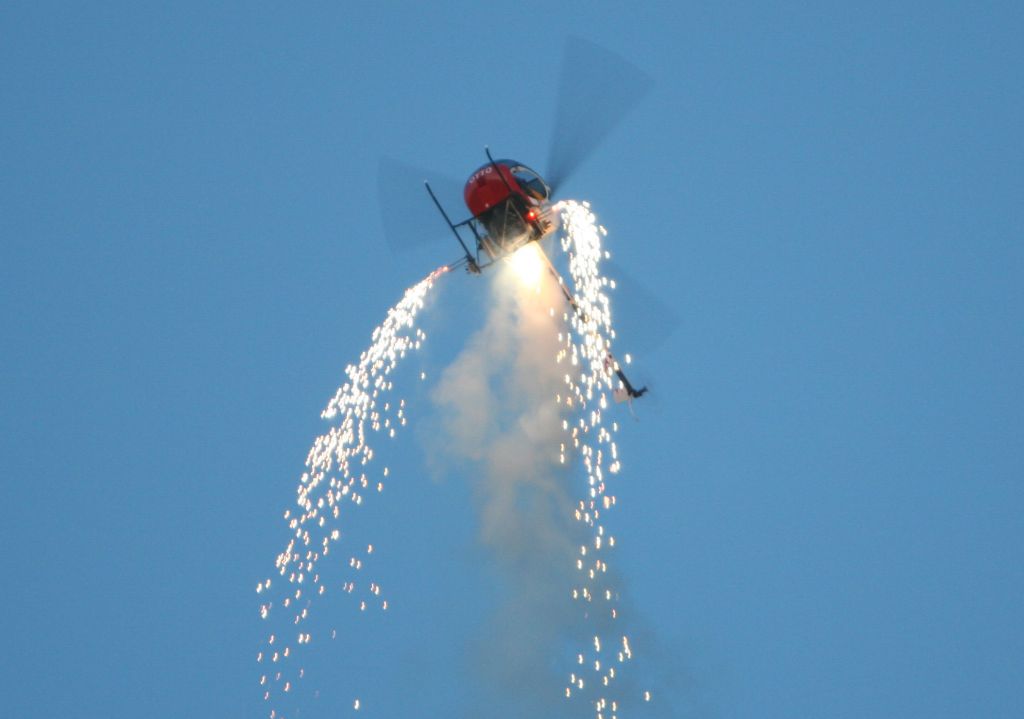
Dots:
pixel 531 183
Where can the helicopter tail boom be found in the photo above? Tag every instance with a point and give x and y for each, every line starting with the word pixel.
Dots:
pixel 627 391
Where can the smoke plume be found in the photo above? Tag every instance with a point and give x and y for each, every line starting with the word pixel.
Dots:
pixel 503 428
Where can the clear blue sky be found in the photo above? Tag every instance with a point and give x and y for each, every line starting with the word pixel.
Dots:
pixel 823 511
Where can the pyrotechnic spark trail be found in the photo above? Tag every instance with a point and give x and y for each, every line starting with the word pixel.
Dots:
pixel 589 382
pixel 338 470
pixel 568 424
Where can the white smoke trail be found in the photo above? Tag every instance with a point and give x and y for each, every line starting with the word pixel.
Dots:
pixel 498 409
pixel 520 404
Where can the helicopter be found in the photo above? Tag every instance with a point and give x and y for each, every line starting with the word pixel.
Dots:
pixel 510 204
pixel 511 207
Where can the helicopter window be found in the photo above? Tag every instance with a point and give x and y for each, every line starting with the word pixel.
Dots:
pixel 531 183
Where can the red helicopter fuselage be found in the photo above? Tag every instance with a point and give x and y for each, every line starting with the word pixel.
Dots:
pixel 511 202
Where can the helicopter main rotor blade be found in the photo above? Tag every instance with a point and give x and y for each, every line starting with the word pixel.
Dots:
pixel 596 89
pixel 408 215
pixel 647 320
